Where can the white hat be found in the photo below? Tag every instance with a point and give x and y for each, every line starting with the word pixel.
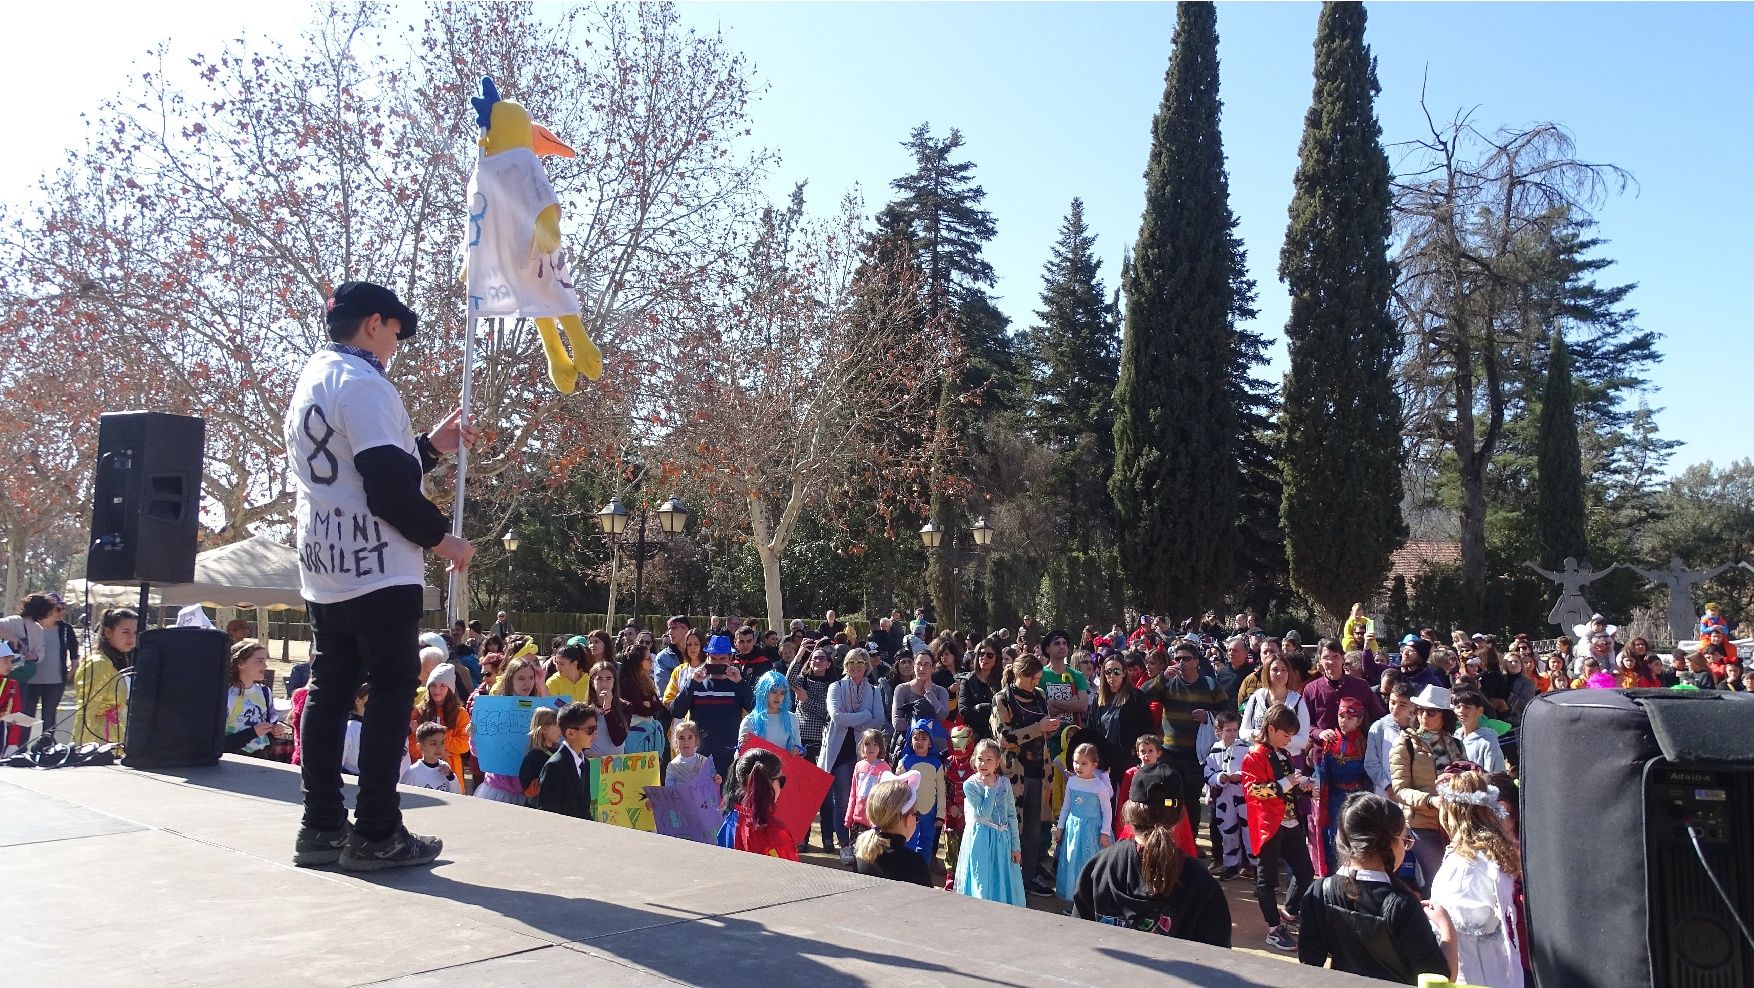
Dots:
pixel 433 639
pixel 6 650
pixel 1433 698
pixel 443 673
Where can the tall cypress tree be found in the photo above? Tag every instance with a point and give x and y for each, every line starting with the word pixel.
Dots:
pixel 1341 460
pixel 1559 511
pixel 1176 475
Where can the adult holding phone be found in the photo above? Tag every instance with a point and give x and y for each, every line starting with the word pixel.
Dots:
pixel 363 522
pixel 715 697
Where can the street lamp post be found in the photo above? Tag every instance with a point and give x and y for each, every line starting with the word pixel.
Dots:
pixel 932 537
pixel 510 542
pixel 615 520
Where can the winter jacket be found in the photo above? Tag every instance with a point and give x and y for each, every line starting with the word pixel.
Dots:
pixel 101 690
pixel 1413 775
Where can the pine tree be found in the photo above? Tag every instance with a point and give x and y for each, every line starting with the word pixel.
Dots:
pixel 1176 477
pixel 1073 363
pixel 1560 511
pixel 1342 449
pixel 940 205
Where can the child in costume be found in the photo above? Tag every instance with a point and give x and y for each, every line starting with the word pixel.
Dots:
pixel 11 735
pixel 958 767
pixel 1224 788
pixel 443 707
pixel 772 719
pixel 921 756
pixel 1086 819
pixel 757 829
pixel 1339 772
pixel 988 864
pixel 1275 825
pixel 1711 621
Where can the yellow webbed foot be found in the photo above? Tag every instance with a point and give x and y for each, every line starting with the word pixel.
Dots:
pixel 586 358
pixel 561 370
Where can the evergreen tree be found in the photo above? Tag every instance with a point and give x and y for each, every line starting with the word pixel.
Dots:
pixel 1073 362
pixel 939 204
pixel 1177 477
pixel 1342 448
pixel 1560 512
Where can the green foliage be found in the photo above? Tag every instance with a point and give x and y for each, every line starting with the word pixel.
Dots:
pixel 1560 511
pixel 1342 449
pixel 1707 518
pixel 1177 478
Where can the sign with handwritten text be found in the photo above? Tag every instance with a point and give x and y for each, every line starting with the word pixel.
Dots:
pixel 501 729
pixel 690 811
pixel 619 784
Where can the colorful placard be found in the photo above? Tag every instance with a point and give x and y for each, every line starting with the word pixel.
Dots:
pixel 619 789
pixel 501 729
pixel 689 811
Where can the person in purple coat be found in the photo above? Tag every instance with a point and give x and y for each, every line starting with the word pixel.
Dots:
pixel 1324 693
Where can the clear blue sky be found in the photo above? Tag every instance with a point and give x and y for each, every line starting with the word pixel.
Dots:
pixel 1056 101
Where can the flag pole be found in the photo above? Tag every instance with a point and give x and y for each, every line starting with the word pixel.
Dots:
pixel 454 588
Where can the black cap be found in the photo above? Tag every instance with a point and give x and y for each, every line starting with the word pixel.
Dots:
pixel 1156 785
pixel 359 299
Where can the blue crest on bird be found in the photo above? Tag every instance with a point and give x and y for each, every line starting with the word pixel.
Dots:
pixel 484 102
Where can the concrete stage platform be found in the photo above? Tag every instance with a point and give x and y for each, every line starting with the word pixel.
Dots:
pixel 184 878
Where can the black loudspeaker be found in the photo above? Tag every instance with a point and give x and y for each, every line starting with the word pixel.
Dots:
pixel 146 498
pixel 176 706
pixel 1627 796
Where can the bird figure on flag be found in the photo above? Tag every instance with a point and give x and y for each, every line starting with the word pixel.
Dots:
pixel 515 264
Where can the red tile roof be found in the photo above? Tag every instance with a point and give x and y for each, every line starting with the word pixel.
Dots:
pixel 1413 559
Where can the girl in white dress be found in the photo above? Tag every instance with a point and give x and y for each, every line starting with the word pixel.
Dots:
pixel 1476 885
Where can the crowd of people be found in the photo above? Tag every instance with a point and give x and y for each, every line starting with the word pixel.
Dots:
pixel 1369 795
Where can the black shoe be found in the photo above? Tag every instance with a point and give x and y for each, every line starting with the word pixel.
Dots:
pixel 399 850
pixel 319 847
pixel 1229 874
pixel 1039 887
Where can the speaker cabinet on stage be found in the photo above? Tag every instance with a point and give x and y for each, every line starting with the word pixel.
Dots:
pixel 176 706
pixel 146 499
pixel 1617 786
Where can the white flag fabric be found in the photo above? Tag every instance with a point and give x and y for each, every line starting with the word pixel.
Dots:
pixel 506 277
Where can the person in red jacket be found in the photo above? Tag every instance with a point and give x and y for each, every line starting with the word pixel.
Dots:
pixel 1276 828
pixel 11 702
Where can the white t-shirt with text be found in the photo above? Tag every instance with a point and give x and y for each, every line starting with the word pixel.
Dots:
pixel 341 406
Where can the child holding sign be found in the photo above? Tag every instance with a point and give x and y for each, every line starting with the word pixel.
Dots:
pixel 564 784
pixel 544 742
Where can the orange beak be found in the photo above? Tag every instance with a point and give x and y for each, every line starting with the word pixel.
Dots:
pixel 546 145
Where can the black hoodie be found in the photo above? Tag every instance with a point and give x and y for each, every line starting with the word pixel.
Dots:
pixel 1112 890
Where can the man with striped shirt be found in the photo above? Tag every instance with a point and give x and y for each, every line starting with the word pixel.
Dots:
pixel 1187 700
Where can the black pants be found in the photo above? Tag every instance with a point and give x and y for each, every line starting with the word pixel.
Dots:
pixel 372 639
pixel 1193 782
pixel 47 697
pixel 1291 845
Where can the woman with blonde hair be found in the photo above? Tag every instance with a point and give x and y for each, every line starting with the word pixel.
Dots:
pixel 1476 885
pixel 883 851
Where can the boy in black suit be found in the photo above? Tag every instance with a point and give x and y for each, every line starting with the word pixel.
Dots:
pixel 565 778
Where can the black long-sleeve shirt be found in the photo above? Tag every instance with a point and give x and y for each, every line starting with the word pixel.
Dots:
pixel 1382 934
pixel 393 492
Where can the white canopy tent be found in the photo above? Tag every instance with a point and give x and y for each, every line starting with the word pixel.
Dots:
pixel 257 572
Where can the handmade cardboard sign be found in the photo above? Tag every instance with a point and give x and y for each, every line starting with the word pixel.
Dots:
pixel 690 812
pixel 619 784
pixel 501 729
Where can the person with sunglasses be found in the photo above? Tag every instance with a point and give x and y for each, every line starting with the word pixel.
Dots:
pixel 564 784
pixel 976 688
pixel 1121 714
pixel 883 850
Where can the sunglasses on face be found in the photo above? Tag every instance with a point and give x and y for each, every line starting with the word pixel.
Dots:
pixel 1408 840
pixel 1112 672
pixel 589 730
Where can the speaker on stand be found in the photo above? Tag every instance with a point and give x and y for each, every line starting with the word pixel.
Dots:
pixel 1638 838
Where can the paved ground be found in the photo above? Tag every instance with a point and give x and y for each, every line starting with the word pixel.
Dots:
pixel 184 878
